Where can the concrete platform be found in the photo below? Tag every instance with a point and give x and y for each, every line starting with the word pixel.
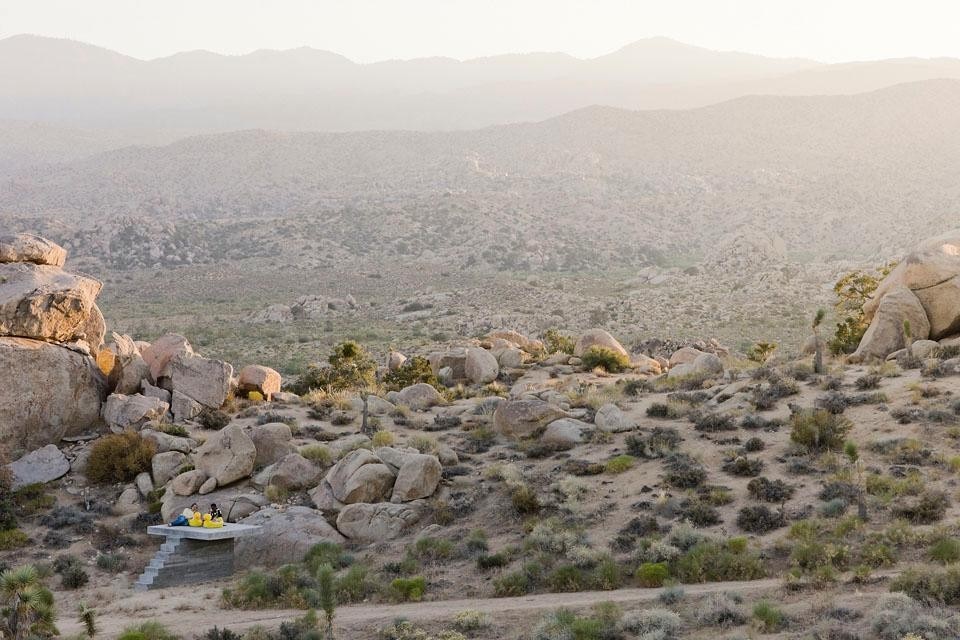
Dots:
pixel 190 555
pixel 228 530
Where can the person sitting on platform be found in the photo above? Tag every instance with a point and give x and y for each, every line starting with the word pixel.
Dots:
pixel 209 522
pixel 183 519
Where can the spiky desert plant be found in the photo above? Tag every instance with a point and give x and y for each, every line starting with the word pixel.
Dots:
pixel 818 354
pixel 28 604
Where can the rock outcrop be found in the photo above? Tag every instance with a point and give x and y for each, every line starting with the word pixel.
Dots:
pixel 520 418
pixel 598 338
pixel 931 273
pixel 228 455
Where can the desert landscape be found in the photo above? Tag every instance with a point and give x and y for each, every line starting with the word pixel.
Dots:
pixel 657 343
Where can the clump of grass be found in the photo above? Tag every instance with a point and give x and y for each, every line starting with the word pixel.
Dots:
pixel 119 457
pixel 318 453
pixel 619 464
pixel 768 617
pixel 819 430
pixel 597 357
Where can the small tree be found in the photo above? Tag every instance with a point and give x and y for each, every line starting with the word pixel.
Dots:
pixel 818 353
pixel 328 598
pixel 88 618
pixel 28 609
pixel 761 351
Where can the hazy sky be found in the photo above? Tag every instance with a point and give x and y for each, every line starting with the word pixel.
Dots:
pixel 369 30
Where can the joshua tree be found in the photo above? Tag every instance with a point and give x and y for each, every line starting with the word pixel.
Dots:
pixel 818 354
pixel 28 605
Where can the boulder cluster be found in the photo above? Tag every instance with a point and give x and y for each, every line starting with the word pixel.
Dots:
pixel 50 333
pixel 918 301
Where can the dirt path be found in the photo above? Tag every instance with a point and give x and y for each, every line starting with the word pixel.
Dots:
pixel 184 612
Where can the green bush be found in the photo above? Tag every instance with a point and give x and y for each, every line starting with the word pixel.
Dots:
pixel 767 490
pixel 769 618
pixel 74 577
pixel 683 472
pixel 619 464
pixel 413 371
pixel 597 357
pixel 556 342
pixel 329 553
pixel 318 453
pixel 714 561
pixel 349 367
pixel 150 630
pixel 743 466
pixel 408 589
pixel 516 583
pixel 927 509
pixel 567 578
pixel 119 457
pixel 524 500
pixel 431 550
pixel 945 551
pixel 759 519
pixel 213 419
pixel 13 539
pixel 819 430
pixel 925 585
pixel 652 574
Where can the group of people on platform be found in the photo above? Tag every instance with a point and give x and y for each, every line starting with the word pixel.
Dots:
pixel 191 517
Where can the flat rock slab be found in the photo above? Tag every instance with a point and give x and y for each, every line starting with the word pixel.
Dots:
pixel 40 466
pixel 228 530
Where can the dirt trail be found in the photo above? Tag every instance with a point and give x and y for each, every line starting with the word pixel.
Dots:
pixel 183 611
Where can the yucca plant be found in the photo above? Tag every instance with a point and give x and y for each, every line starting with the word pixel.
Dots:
pixel 28 605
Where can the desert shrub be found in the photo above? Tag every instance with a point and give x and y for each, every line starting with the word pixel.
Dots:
pixel 767 490
pixel 408 589
pixel 567 578
pixel 556 342
pixel 818 430
pixel 119 457
pixel 318 453
pixel 743 466
pixel 700 514
pixel 516 583
pixel 768 617
pixel 658 443
pixel 927 509
pixel 834 402
pixel 485 562
pixel 176 430
pixel 149 630
pixel 752 445
pixel 471 620
pixel 13 539
pixel 619 464
pixel 753 422
pixel 213 419
pixel 652 574
pixel 717 561
pixel 759 519
pixel 524 500
pixel 683 472
pixel 111 562
pixel 431 550
pixel 607 359
pixel 74 577
pixel 382 439
pixel 671 595
pixel 868 381
pixel 652 624
pixel 413 371
pixel 712 422
pixel 329 553
pixel 349 366
pixel 941 586
pixel 722 610
pixel 896 616
pixel 834 508
pixel 945 551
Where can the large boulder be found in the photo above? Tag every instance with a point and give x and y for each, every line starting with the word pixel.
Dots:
pixel 263 380
pixel 164 466
pixel 132 412
pixel 188 482
pixel 611 418
pixel 932 272
pixel 418 478
pixel 125 368
pixel 684 355
pixel 886 332
pixel 228 455
pixel 704 365
pixel 520 418
pixel 377 522
pixel 516 338
pixel 370 483
pixel 158 354
pixel 168 442
pixel 41 466
pixel 481 366
pixel 183 407
pixel 273 441
pixel 565 432
pixel 294 472
pixel 285 536
pixel 598 338
pixel 455 359
pixel 419 397
pixel 25 247
pixel 47 392
pixel 202 379
pixel 47 303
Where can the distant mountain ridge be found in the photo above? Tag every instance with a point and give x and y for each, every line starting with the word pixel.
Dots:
pixel 833 176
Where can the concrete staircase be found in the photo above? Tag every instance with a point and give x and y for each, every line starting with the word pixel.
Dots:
pixel 181 561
